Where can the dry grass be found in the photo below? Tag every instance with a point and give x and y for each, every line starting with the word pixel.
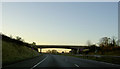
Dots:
pixel 12 52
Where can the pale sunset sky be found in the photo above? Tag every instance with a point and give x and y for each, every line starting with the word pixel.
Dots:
pixel 60 23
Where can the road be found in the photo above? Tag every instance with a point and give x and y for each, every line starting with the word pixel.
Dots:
pixel 49 60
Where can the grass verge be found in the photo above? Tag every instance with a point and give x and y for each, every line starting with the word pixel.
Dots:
pixel 114 60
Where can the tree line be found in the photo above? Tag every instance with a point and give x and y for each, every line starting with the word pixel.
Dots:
pixel 106 44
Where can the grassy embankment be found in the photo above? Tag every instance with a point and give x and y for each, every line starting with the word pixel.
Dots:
pixel 109 59
pixel 13 52
pixel 112 53
pixel 114 60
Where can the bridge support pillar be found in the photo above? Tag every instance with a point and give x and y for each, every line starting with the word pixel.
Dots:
pixel 78 50
pixel 40 50
pixel 74 51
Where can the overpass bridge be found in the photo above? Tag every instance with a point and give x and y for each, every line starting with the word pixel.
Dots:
pixel 74 48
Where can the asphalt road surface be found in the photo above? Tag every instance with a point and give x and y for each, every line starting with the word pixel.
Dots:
pixel 49 60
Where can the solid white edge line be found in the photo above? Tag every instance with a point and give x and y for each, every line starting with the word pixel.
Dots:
pixel 39 63
pixel 76 65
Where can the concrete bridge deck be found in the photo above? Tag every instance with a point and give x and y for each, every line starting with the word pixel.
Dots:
pixel 60 46
pixel 74 48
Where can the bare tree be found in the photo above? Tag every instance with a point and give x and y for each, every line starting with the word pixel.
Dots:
pixel 118 42
pixel 104 41
pixel 114 41
pixel 48 51
pixel 54 51
pixel 19 38
pixel 89 43
pixel 33 43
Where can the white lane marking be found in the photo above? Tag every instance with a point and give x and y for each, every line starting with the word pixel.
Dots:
pixel 39 63
pixel 76 65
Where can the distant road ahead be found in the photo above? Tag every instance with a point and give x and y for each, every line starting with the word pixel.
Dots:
pixel 50 60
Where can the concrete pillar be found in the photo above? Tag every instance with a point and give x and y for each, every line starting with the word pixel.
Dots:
pixel 78 50
pixel 40 50
pixel 72 51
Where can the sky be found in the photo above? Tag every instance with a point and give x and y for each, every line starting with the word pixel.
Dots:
pixel 60 23
pixel 59 0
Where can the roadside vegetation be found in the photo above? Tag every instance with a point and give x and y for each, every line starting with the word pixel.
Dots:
pixel 107 46
pixel 15 50
pixel 108 59
pixel 107 51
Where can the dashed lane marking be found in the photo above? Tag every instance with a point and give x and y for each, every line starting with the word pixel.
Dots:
pixel 39 63
pixel 76 65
